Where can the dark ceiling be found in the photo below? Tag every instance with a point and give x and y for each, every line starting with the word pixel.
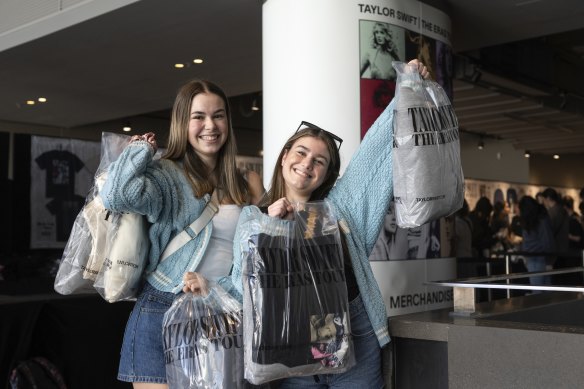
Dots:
pixel 519 67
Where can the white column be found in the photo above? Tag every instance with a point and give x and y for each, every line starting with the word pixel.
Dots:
pixel 311 61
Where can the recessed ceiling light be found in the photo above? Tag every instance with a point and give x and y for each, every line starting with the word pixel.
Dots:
pixel 197 60
pixel 556 156
pixel 179 65
pixel 30 102
pixel 42 99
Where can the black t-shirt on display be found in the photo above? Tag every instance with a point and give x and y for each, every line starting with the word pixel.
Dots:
pixel 61 167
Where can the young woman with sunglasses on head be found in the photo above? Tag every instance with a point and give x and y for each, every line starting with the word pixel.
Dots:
pixel 307 170
pixel 172 193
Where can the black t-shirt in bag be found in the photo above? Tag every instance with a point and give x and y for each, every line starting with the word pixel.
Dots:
pixel 297 285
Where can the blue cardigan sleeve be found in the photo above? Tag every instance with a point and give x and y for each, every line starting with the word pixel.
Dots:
pixel 362 195
pixel 132 183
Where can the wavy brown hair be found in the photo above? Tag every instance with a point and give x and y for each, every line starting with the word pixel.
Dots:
pixel 225 175
pixel 278 186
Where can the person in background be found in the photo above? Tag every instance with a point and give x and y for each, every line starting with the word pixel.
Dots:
pixel 560 223
pixel 537 237
pixel 515 234
pixel 500 226
pixel 575 230
pixel 558 217
pixel 172 193
pixel 482 235
pixel 463 232
pixel 307 170
pixel 575 240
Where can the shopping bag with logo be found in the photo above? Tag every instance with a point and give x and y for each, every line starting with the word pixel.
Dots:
pixel 295 292
pixel 428 181
pixel 127 248
pixel 70 275
pixel 202 341
pixel 106 251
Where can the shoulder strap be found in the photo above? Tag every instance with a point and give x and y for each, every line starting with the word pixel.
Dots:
pixel 192 230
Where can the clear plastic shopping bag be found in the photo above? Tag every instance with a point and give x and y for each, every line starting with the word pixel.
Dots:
pixel 120 276
pixel 202 341
pixel 428 182
pixel 106 251
pixel 297 319
pixel 70 275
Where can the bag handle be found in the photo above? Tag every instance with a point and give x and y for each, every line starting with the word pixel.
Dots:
pixel 192 230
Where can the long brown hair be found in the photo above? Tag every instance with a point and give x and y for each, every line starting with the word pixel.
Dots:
pixel 278 186
pixel 224 176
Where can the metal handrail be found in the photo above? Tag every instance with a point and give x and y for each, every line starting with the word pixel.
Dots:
pixel 475 282
pixel 464 289
pixel 507 256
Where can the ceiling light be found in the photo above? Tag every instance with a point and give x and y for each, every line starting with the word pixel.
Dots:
pixel 197 60
pixel 42 99
pixel 481 145
pixel 254 105
pixel 527 154
pixel 127 127
pixel 556 156
pixel 30 102
pixel 179 65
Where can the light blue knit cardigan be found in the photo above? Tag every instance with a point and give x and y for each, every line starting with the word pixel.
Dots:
pixel 360 200
pixel 160 190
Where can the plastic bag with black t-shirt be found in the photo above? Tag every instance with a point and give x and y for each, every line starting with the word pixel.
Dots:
pixel 297 320
pixel 202 341
pixel 428 181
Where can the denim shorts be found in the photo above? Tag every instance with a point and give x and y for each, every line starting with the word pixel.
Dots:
pixel 367 371
pixel 142 356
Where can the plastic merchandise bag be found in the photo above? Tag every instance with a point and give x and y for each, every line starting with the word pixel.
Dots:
pixel 69 278
pixel 202 341
pixel 428 181
pixel 100 237
pixel 297 320
pixel 127 249
pixel 98 222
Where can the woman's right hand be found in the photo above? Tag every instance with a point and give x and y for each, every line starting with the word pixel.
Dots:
pixel 422 69
pixel 195 283
pixel 281 209
pixel 149 137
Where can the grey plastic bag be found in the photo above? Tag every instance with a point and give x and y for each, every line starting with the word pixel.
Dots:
pixel 428 181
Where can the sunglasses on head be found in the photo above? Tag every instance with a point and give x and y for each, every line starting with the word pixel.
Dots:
pixel 303 125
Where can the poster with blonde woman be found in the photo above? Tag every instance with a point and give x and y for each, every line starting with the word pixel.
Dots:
pixel 381 44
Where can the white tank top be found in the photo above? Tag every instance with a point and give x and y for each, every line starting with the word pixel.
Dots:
pixel 218 257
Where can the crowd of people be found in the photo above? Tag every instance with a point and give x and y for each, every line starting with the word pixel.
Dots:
pixel 545 228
